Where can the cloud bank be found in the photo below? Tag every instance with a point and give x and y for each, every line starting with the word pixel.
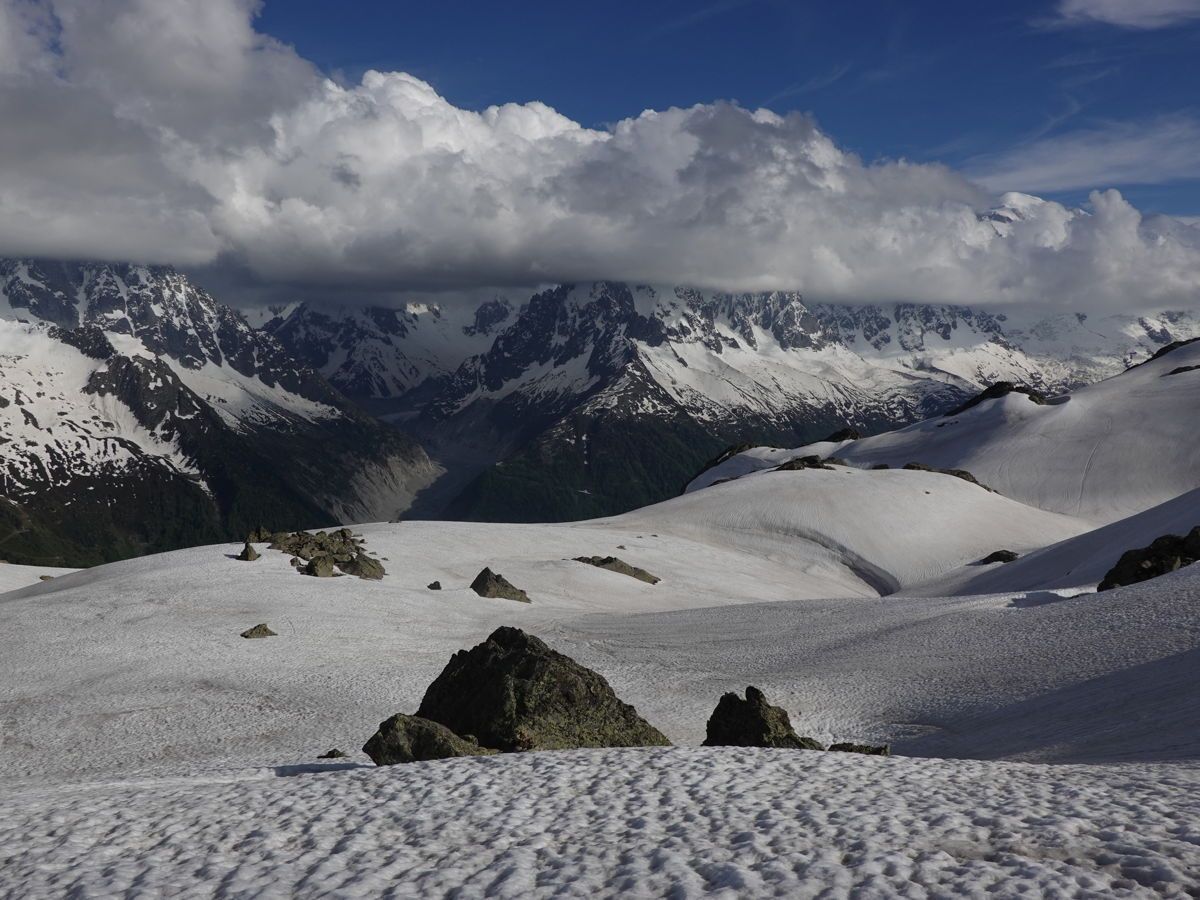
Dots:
pixel 169 130
pixel 1140 14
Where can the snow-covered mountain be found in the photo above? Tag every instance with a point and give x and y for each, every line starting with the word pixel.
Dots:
pixel 138 413
pixel 596 398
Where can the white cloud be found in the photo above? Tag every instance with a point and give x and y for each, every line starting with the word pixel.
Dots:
pixel 1141 14
pixel 170 131
pixel 1157 151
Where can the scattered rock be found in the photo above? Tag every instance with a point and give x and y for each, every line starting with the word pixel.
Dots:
pixel 364 567
pixel 259 631
pixel 45 578
pixel 342 548
pixel 802 462
pixel 248 554
pixel 296 561
pixel 516 693
pixel 1165 554
pixel 335 753
pixel 319 567
pixel 491 584
pixel 753 722
pixel 868 749
pixel 997 390
pixel 404 739
pixel 434 586
pixel 999 556
pixel 613 564
pixel 844 434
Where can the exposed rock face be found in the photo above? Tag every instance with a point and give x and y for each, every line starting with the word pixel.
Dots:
pixel 404 739
pixel 999 556
pixel 248 554
pixel 995 391
pixel 956 473
pixel 515 693
pixel 613 564
pixel 753 722
pixel 491 584
pixel 868 749
pixel 1165 554
pixel 259 631
pixel 802 462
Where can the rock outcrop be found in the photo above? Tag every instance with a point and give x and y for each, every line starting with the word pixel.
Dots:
pixel 248 554
pixel 1165 554
pixel 322 551
pixel 994 392
pixel 515 693
pixel 753 722
pixel 404 739
pixel 802 462
pixel 492 584
pixel 259 631
pixel 956 473
pixel 868 749
pixel 614 564
pixel 999 556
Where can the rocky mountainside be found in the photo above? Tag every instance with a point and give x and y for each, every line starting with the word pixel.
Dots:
pixel 138 414
pixel 594 398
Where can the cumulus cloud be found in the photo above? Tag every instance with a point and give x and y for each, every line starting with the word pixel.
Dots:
pixel 169 130
pixel 1140 14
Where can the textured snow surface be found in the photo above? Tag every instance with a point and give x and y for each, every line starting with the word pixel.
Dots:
pixel 662 823
pixel 13 577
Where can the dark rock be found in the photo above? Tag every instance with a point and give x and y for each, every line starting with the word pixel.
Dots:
pixel 613 564
pixel 335 753
pixel 956 473
pixel 868 749
pixel 999 556
pixel 997 390
pixel 491 584
pixel 45 578
pixel 434 585
pixel 726 454
pixel 879 466
pixel 296 561
pixel 319 567
pixel 844 434
pixel 404 739
pixel 516 693
pixel 753 722
pixel 1165 554
pixel 1182 369
pixel 261 535
pixel 259 631
pixel 248 554
pixel 802 462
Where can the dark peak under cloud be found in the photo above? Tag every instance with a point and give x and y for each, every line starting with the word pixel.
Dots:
pixel 166 130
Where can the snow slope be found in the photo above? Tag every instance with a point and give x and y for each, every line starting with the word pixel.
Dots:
pixel 13 576
pixel 1102 453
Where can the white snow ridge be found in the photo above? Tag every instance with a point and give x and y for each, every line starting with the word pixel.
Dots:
pixel 1045 736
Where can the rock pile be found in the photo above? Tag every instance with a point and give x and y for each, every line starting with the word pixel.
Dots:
pixel 319 553
pixel 1165 554
pixel 802 462
pixel 614 564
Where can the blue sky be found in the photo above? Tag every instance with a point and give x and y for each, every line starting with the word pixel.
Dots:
pixel 933 81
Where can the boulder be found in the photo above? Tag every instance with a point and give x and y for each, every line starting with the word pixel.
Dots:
pixel 434 586
pixel 404 739
pixel 753 722
pixel 248 554
pixel 516 693
pixel 1165 554
pixel 363 566
pixel 491 584
pixel 868 749
pixel 319 567
pixel 999 556
pixel 613 564
pixel 259 631
pixel 335 753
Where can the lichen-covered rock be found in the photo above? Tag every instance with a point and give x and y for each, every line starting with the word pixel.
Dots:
pixel 613 564
pixel 1164 554
pixel 259 631
pixel 753 722
pixel 248 554
pixel 515 693
pixel 405 739
pixel 868 749
pixel 999 556
pixel 492 584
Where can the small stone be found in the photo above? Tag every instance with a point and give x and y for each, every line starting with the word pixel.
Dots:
pixel 434 586
pixel 999 556
pixel 335 753
pixel 259 631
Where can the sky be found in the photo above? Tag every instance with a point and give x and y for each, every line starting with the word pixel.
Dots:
pixel 856 151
